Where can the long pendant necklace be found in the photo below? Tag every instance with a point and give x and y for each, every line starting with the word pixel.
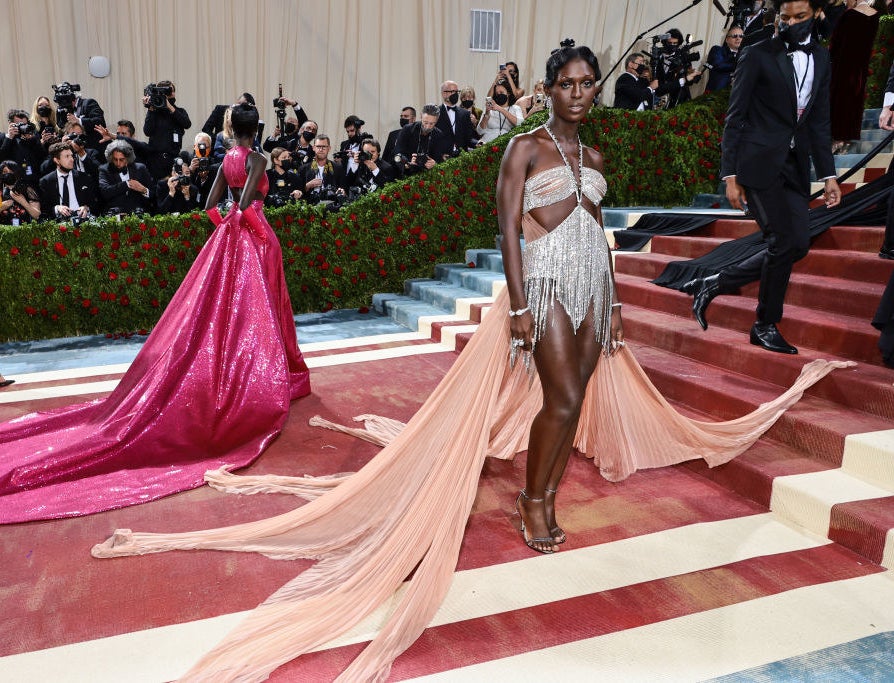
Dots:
pixel 579 181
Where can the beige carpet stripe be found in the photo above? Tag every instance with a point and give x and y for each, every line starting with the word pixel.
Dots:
pixel 163 653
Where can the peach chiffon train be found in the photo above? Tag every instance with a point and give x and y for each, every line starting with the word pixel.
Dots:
pixel 406 510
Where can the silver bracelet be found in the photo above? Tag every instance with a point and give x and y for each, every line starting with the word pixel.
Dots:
pixel 520 311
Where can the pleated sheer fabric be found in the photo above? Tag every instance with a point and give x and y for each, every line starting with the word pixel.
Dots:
pixel 407 508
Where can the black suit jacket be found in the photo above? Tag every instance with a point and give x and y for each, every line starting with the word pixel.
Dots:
pixel 762 119
pixel 390 145
pixel 116 194
pixel 461 136
pixel 631 91
pixel 85 191
pixel 410 141
pixel 90 114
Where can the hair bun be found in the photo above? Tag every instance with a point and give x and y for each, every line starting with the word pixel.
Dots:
pixel 568 42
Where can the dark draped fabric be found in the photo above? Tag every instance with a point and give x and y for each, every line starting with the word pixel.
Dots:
pixel 649 225
pixel 884 322
pixel 860 207
pixel 850 48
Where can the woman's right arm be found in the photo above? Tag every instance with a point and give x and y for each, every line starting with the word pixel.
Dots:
pixel 510 193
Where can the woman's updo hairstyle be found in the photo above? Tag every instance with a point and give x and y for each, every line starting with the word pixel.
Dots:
pixel 567 52
pixel 244 118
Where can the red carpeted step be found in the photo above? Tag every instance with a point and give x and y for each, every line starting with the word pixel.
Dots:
pixel 849 265
pixel 642 264
pixel 729 228
pixel 751 474
pixel 685 246
pixel 871 173
pixel 841 335
pixel 863 525
pixel 867 387
pixel 866 238
pixel 813 425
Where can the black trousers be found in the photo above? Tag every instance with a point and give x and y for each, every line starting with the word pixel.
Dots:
pixel 781 213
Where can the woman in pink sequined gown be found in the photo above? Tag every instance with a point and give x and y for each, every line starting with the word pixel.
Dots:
pixel 210 387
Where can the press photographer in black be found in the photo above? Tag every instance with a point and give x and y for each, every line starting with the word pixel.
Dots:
pixel 21 144
pixel 72 108
pixel 177 193
pixel 371 172
pixel 672 67
pixel 202 167
pixel 165 125
pixel 285 185
pixel 324 180
pixel 421 145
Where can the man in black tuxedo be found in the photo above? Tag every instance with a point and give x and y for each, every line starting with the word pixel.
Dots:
pixel 421 145
pixel 454 122
pixel 83 111
pixel 407 117
pixel 633 91
pixel 66 192
pixel 125 185
pixel 778 119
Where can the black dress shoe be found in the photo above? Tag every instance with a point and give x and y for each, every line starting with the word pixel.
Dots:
pixel 766 335
pixel 6 383
pixel 704 292
pixel 884 252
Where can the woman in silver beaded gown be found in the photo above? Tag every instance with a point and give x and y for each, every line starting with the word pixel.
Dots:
pixel 391 533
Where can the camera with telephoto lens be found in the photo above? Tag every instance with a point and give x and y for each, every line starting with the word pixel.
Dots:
pixel 158 95
pixel 299 156
pixel 342 155
pixel 177 172
pixel 64 95
pixel 79 139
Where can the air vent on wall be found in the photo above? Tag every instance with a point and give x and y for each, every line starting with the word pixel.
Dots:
pixel 485 30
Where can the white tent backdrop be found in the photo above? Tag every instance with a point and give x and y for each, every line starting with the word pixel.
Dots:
pixel 336 57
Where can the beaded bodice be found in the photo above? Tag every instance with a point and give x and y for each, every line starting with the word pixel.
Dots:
pixel 555 184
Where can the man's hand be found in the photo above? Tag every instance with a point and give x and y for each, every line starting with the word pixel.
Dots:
pixel 430 163
pixel 13 130
pixel 832 193
pixel 104 133
pixel 735 193
pixel 886 119
pixel 313 184
pixel 136 186
pixel 62 210
pixel 172 185
pixel 84 211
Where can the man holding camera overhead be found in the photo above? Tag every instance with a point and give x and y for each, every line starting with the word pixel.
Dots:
pixel 72 108
pixel 165 125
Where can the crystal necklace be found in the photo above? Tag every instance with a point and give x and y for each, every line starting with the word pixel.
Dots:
pixel 578 182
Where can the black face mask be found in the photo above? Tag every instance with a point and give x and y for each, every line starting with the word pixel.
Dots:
pixel 291 128
pixel 454 98
pixel 8 179
pixel 795 34
pixel 501 98
pixel 404 122
pixel 640 69
pixel 308 135
pixel 286 164
pixel 669 48
pixel 467 104
pixel 44 111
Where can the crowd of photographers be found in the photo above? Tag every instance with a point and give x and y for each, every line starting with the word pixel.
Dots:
pixel 63 161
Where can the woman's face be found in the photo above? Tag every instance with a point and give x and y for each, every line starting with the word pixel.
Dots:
pixel 280 158
pixel 574 91
pixel 43 101
pixel 501 89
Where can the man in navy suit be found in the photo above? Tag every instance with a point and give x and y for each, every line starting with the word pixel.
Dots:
pixel 66 192
pixel 455 122
pixel 778 119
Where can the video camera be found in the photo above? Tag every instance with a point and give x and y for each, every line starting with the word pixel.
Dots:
pixel 64 95
pixel 279 105
pixel 679 59
pixel 158 95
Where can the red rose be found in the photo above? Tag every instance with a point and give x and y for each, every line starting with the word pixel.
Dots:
pixel 14 251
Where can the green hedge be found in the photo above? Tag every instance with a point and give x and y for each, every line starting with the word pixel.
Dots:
pixel 880 63
pixel 116 277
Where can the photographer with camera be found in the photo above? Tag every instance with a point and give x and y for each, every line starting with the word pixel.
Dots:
pixel 672 66
pixel 202 167
pixel 72 108
pixel 285 185
pixel 164 126
pixel 407 117
pixel 125 185
pixel 347 151
pixel 22 145
pixel 722 59
pixel 65 192
pixel 303 150
pixel 20 202
pixel 177 193
pixel 371 172
pixel 43 116
pixel 501 114
pixel 323 179
pixel 286 138
pixel 421 145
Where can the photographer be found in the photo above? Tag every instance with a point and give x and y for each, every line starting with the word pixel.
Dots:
pixel 672 67
pixel 177 193
pixel 371 173
pixel 72 108
pixel 21 202
pixel 285 185
pixel 324 180
pixel 22 145
pixel 407 117
pixel 164 126
pixel 43 116
pixel 421 145
pixel 202 167
pixel 85 159
pixel 287 139
pixel 124 184
pixel 501 114
pixel 303 150
pixel 65 192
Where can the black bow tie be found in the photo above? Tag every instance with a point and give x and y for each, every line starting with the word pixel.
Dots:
pixel 807 48
pixel 452 108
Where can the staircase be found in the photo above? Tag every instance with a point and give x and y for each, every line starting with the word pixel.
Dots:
pixel 828 463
